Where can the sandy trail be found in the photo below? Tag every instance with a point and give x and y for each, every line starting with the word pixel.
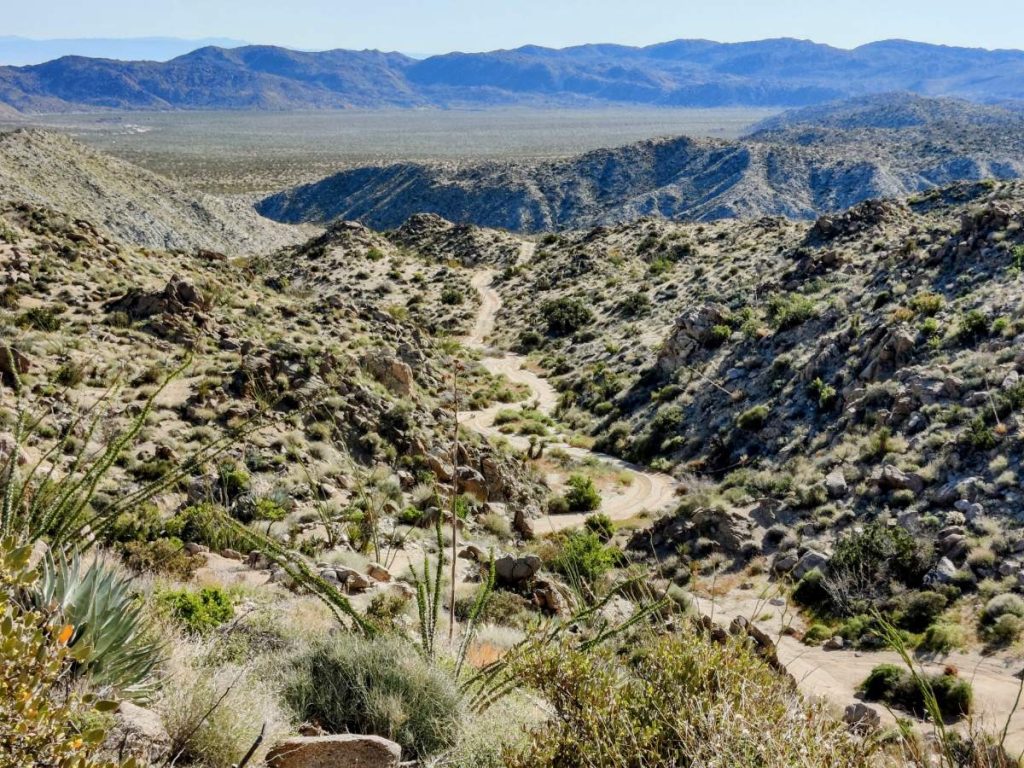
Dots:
pixel 650 491
pixel 832 675
pixel 835 675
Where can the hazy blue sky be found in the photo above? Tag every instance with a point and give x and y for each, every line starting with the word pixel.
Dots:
pixel 431 26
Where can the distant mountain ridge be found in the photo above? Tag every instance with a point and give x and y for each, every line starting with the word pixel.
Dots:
pixel 696 73
pixel 799 165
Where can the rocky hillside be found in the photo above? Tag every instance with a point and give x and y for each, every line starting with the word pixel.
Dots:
pixel 695 73
pixel 805 376
pixel 799 166
pixel 128 202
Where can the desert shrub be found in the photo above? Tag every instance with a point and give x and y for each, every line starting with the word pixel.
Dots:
pixel 635 304
pixel 40 319
pixel 112 645
pixel 897 687
pixel 921 609
pixel 163 556
pixel 200 611
pixel 40 720
pixel 558 505
pixel 385 607
pixel 791 310
pixel 973 325
pixel 1001 605
pixel 204 524
pixel 382 686
pixel 564 316
pixel 753 418
pixel 503 608
pixel 601 525
pixel 141 523
pixel 675 700
pixel 583 557
pixel 927 303
pixel 719 335
pixel 581 495
pixel 978 435
pixel 69 374
pixel 865 563
pixel 213 711
pixel 452 297
pixel 1004 630
pixel 810 590
pixel 823 392
pixel 816 634
pixel 942 638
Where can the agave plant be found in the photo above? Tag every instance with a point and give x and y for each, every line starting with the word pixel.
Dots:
pixel 111 644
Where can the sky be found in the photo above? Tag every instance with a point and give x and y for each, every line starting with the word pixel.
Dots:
pixel 438 26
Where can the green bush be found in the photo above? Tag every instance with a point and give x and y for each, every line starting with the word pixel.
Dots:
pixel 874 557
pixel 942 638
pixel 200 611
pixel 635 304
pixel 581 495
pixel 558 505
pixel 973 325
pixel 41 319
pixel 790 311
pixel 379 686
pixel 585 558
pixel 601 525
pixel 753 418
pixel 1005 630
pixel 897 687
pixel 205 524
pixel 564 316
pixel 452 297
pixel 921 609
pixel 1001 605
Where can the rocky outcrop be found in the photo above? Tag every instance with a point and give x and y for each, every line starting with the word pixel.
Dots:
pixel 693 330
pixel 394 374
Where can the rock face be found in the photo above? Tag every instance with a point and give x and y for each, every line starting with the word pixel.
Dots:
pixel 693 329
pixel 393 373
pixel 341 751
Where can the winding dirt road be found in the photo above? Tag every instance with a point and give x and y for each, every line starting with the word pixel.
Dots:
pixel 832 675
pixel 650 491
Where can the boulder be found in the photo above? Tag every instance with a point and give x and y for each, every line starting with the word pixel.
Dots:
pixel 891 478
pixel 835 484
pixel 861 718
pixel 378 572
pixel 810 560
pixel 138 733
pixel 353 580
pixel 393 373
pixel 8 448
pixel 231 554
pixel 338 751
pixel 944 572
pixel 834 643
pixel 513 570
pixel 692 330
pixel 12 363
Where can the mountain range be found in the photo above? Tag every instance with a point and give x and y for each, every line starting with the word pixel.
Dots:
pixel 682 73
pixel 800 164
